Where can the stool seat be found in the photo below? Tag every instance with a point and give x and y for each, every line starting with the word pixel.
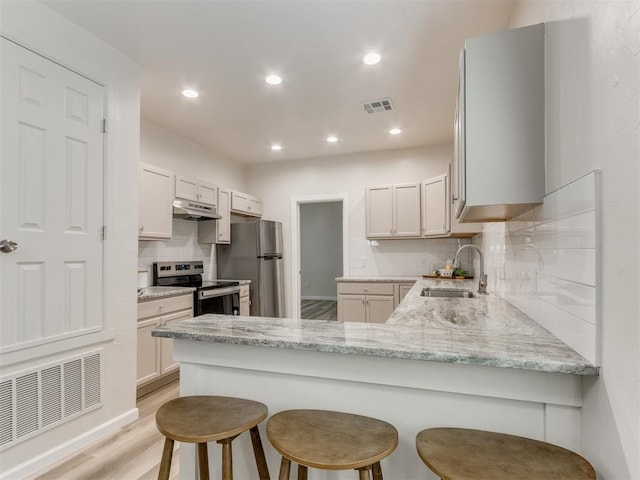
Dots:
pixel 331 440
pixel 203 419
pixel 463 454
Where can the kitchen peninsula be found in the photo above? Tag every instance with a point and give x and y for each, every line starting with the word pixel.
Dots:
pixel 475 363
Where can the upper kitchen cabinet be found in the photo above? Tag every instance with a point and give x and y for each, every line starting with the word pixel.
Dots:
pixel 195 190
pixel 245 204
pixel 500 126
pixel 155 211
pixel 435 206
pixel 218 231
pixel 393 211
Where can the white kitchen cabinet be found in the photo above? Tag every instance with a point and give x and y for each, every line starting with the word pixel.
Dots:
pixel 401 290
pixel 393 211
pixel 245 301
pixel 155 210
pixel 218 231
pixel 196 190
pixel 435 206
pixel 154 354
pixel 245 204
pixel 365 302
pixel 500 126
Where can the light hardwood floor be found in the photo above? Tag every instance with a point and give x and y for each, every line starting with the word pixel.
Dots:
pixel 131 454
pixel 319 309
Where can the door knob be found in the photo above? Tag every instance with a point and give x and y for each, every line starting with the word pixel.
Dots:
pixel 8 246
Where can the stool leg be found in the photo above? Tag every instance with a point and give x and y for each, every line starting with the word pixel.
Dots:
pixel 285 466
pixel 258 452
pixel 302 472
pixel 377 471
pixel 165 462
pixel 364 473
pixel 227 460
pixel 203 461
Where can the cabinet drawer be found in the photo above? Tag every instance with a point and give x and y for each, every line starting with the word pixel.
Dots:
pixel 164 305
pixel 244 291
pixel 365 288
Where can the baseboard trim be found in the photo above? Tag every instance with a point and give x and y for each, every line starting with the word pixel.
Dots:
pixel 51 458
pixel 312 297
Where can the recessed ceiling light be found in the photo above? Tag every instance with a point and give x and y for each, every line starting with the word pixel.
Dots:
pixel 276 148
pixel 371 58
pixel 190 93
pixel 273 80
pixel 332 139
pixel 395 131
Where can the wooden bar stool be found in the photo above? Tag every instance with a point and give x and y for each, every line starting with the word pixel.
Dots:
pixel 203 419
pixel 461 454
pixel 330 441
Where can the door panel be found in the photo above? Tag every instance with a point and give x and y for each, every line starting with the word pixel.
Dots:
pixel 51 199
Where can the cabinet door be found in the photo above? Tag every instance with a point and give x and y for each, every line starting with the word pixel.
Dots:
pixel 435 206
pixel 379 308
pixel 155 204
pixel 148 365
pixel 207 194
pixel 245 306
pixel 167 363
pixel 223 225
pixel 351 308
pixel 401 291
pixel 379 211
pixel 186 188
pixel 406 210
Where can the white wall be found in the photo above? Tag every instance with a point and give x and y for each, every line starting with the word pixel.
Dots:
pixel 593 122
pixel 38 28
pixel 278 182
pixel 320 250
pixel 166 149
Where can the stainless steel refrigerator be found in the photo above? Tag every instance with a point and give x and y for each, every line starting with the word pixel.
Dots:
pixel 255 254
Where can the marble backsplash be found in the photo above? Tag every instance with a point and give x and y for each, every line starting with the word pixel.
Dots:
pixel 545 263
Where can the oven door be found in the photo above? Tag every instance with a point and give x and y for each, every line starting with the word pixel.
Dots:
pixel 224 301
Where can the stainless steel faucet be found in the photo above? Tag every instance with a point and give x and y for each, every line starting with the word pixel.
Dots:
pixel 482 283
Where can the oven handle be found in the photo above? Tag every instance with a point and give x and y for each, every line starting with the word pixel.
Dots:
pixel 217 292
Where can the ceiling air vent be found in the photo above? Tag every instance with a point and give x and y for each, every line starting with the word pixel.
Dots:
pixel 382 105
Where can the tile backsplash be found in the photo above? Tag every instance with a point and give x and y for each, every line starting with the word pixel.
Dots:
pixel 402 257
pixel 545 263
pixel 183 246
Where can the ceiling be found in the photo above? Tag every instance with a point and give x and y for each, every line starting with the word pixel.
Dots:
pixel 224 50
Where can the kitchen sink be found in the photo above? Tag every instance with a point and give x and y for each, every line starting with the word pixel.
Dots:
pixel 447 293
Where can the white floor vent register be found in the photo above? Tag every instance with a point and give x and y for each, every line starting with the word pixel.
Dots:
pixel 37 399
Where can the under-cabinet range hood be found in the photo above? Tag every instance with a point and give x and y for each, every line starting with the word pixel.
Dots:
pixel 194 211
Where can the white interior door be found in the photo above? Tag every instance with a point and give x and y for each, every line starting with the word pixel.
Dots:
pixel 51 199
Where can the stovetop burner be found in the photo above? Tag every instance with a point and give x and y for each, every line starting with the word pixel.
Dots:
pixel 185 274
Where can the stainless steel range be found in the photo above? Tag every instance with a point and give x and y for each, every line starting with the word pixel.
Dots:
pixel 210 296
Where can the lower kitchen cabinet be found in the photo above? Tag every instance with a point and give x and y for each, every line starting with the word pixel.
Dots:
pixel 365 302
pixel 245 301
pixel 155 355
pixel 401 291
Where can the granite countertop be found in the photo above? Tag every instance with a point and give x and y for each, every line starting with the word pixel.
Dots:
pixel 377 279
pixel 150 293
pixel 485 330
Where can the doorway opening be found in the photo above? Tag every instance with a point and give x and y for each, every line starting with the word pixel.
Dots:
pixel 320 244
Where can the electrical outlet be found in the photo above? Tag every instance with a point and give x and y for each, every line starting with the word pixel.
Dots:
pixel 363 263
